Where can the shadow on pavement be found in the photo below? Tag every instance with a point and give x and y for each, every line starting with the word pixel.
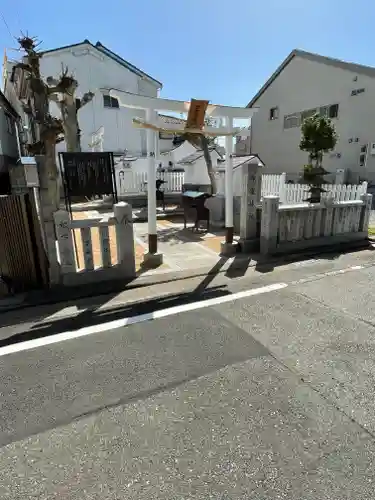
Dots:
pixel 96 317
pixel 324 254
pixel 239 266
pixel 214 271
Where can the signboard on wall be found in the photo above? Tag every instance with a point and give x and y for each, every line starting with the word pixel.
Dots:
pixel 88 174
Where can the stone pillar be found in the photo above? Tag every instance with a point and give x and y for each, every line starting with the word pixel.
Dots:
pixel 269 225
pixel 250 200
pixel 125 238
pixel 216 206
pixel 366 212
pixel 65 241
pixel 283 186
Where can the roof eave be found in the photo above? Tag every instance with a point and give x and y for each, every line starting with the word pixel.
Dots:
pixel 114 57
pixel 271 79
pixel 348 66
pixel 125 63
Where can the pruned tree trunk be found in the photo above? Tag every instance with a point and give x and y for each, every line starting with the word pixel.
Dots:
pixel 70 124
pixel 50 130
pixel 208 160
pixel 62 92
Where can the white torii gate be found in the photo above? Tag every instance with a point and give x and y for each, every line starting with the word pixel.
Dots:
pixel 154 104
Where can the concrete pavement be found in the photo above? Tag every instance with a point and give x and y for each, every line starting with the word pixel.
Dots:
pixel 267 396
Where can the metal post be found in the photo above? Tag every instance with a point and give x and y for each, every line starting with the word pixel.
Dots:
pixel 151 185
pixel 229 183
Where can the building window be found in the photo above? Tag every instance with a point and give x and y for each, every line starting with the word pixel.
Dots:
pixel 333 111
pixel 307 114
pixel 274 113
pixel 357 91
pixel 10 124
pixel 296 119
pixel 292 121
pixel 110 102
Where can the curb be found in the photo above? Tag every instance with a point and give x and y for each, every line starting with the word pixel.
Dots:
pixel 58 295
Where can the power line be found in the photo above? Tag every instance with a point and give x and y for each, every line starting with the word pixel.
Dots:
pixel 6 24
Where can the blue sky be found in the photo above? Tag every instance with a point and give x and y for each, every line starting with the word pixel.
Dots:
pixel 213 49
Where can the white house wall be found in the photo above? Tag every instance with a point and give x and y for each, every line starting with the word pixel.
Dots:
pixel 177 154
pixel 94 71
pixel 304 85
pixel 196 173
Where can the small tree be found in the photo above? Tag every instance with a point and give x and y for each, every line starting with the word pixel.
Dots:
pixel 204 143
pixel 318 137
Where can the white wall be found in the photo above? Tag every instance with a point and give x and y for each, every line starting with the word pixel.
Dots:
pixel 177 154
pixel 303 85
pixel 196 173
pixel 93 71
pixel 166 145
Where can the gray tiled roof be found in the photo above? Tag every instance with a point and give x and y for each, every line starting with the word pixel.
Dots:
pixel 240 160
pixel 198 154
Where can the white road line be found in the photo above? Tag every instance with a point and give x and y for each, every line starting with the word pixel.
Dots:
pixel 120 323
pixel 327 274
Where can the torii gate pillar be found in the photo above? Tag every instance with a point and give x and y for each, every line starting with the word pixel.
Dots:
pixel 228 247
pixel 152 257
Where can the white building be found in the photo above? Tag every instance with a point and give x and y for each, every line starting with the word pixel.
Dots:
pixel 195 165
pixel 98 69
pixel 302 85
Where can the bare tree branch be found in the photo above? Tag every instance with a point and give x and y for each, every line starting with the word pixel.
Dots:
pixel 87 97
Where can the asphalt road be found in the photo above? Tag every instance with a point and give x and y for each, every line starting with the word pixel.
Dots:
pixel 269 396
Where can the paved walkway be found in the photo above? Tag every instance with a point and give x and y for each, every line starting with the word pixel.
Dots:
pixel 182 248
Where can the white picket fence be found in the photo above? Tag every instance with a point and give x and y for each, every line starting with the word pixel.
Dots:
pixel 130 182
pixel 297 193
pixel 274 185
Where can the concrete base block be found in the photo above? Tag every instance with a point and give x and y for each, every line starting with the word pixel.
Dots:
pixel 217 224
pixel 248 246
pixel 228 249
pixel 152 259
